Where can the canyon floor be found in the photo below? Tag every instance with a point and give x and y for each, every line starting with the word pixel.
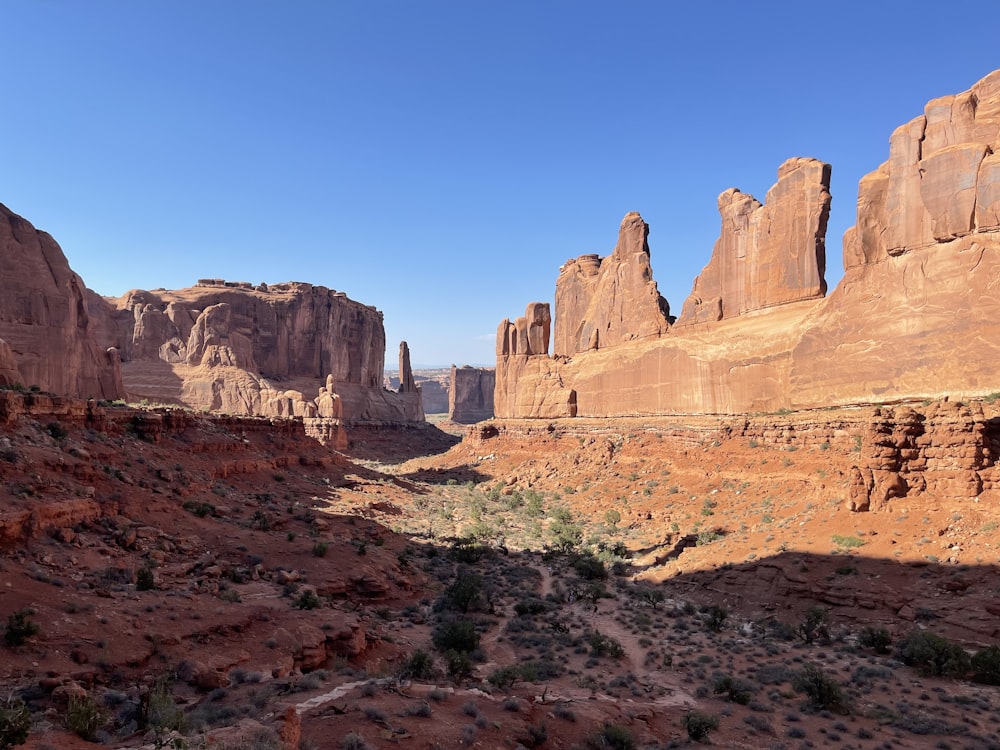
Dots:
pixel 174 580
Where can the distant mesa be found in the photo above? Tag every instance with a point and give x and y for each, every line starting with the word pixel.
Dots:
pixel 470 395
pixel 916 315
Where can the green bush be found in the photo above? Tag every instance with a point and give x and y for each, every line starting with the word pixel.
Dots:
pixel 715 617
pixel 814 626
pixel 19 628
pixel 986 666
pixel 611 737
pixel 15 721
pixel 420 666
pixel 737 690
pixel 465 593
pixel 699 725
pixel 307 600
pixel 590 568
pixel 933 655
pixel 604 645
pixel 456 635
pixel 84 717
pixel 822 691
pixel 144 579
pixel 875 638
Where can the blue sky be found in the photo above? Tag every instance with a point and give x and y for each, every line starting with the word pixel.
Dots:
pixel 441 160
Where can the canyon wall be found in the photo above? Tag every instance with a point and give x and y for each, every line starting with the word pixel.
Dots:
pixel 915 316
pixel 470 394
pixel 47 339
pixel 289 349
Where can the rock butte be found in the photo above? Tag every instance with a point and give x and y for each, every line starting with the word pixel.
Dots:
pixel 916 314
pixel 470 394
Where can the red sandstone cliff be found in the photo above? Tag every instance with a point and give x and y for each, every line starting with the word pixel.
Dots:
pixel 768 254
pixel 264 350
pixel 470 394
pixel 46 336
pixel 915 316
pixel 601 303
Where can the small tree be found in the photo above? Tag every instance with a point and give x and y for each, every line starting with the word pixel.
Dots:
pixel 814 626
pixel 822 691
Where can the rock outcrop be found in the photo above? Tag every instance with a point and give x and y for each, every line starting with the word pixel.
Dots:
pixel 916 315
pixel 44 320
pixel 768 254
pixel 527 379
pixel 606 302
pixel 243 349
pixel 470 394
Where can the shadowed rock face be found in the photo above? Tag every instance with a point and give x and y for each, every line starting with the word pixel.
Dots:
pixel 917 314
pixel 767 254
pixel 470 394
pixel 44 319
pixel 231 347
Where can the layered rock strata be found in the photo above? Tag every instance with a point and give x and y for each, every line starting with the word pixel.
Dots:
pixel 293 350
pixel 470 394
pixel 915 316
pixel 46 335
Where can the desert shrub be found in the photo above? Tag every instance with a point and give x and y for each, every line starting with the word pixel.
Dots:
pixel 504 677
pixel 84 717
pixel 20 628
pixel 699 725
pixel 875 638
pixel 354 741
pixel 986 666
pixel 307 600
pixel 144 579
pixel 56 430
pixel 814 626
pixel 458 663
pixel 604 645
pixel 590 568
pixel 420 666
pixel 420 708
pixel 15 721
pixel 468 550
pixel 822 692
pixel 715 617
pixel 319 549
pixel 735 689
pixel 465 593
pixel 931 654
pixel 158 710
pixel 611 737
pixel 456 635
pixel 530 606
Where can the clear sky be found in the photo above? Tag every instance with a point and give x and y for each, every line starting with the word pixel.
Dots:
pixel 441 160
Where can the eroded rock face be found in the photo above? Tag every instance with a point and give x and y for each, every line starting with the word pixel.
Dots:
pixel 470 394
pixel 768 254
pixel 610 301
pixel 232 347
pixel 44 319
pixel 941 182
pixel 916 315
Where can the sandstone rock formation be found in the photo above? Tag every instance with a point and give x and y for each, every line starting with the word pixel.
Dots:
pixel 605 302
pixel 267 350
pixel 470 395
pixel 767 254
pixel 44 319
pixel 915 316
pixel 527 380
